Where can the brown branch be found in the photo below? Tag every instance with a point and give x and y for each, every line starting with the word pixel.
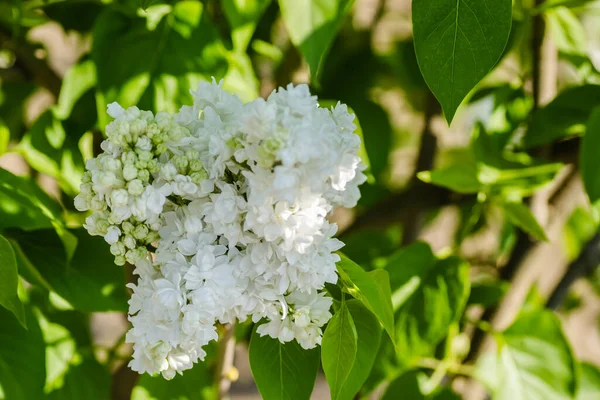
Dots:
pixel 226 353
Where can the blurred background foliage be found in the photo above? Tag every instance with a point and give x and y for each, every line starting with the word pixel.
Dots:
pixel 479 223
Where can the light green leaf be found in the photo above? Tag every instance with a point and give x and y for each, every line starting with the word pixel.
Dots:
pixel 520 215
pixel 433 294
pixel 155 69
pixel 313 25
pixel 457 43
pixel 589 160
pixel 588 384
pixel 196 383
pixel 371 288
pixel 90 281
pixel 338 350
pixel 567 114
pixel 282 371
pixel 78 80
pixel 461 178
pixel 579 229
pixel 243 16
pixel 368 332
pixel 534 360
pixel 22 358
pixel 567 31
pixel 9 281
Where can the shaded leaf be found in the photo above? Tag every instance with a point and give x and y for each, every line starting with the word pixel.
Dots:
pixel 282 371
pixel 520 215
pixel 589 160
pixel 9 281
pixel 243 16
pixel 196 383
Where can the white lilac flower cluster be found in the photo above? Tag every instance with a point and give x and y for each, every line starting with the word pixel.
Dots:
pixel 222 208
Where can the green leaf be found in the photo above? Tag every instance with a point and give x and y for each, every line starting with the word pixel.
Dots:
pixel 520 215
pixel 87 379
pixel 567 31
pixel 243 16
pixel 487 293
pixel 567 114
pixel 80 78
pixel 368 332
pixel 196 383
pixel 579 229
pixel 406 386
pixel 589 162
pixel 371 288
pixel 433 294
pixel 22 358
pixel 313 25
pixel 9 282
pixel 90 281
pixel 24 205
pixel 282 371
pixel 338 350
pixel 48 149
pixel 461 178
pixel 588 384
pixel 457 43
pixel 534 360
pixel 155 69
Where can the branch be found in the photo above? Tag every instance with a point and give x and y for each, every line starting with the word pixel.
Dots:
pixel 226 353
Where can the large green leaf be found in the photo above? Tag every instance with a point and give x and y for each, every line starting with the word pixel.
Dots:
pixel 243 16
pixel 589 160
pixel 431 295
pixel 312 25
pixel 588 384
pixel 196 383
pixel 282 371
pixel 520 215
pixel 22 358
pixel 371 288
pixel 90 281
pixel 457 43
pixel 565 115
pixel 368 332
pixel 534 360
pixel 338 350
pixel 9 281
pixel 155 68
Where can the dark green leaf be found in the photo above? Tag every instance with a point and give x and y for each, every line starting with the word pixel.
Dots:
pixel 194 384
pixel 565 115
pixel 90 281
pixel 588 384
pixel 457 43
pixel 520 215
pixel 313 25
pixel 22 357
pixel 86 380
pixel 282 371
pixel 9 281
pixel 338 350
pixel 433 295
pixel 371 288
pixel 24 205
pixel 461 178
pixel 488 293
pixel 534 360
pixel 368 332
pixel 404 387
pixel 243 15
pixel 589 160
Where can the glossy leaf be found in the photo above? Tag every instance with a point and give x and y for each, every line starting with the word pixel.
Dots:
pixel 534 360
pixel 282 371
pixel 368 332
pixel 22 357
pixel 313 25
pixel 457 43
pixel 520 215
pixel 434 294
pixel 338 350
pixel 9 281
pixel 371 288
pixel 589 161
pixel 566 115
